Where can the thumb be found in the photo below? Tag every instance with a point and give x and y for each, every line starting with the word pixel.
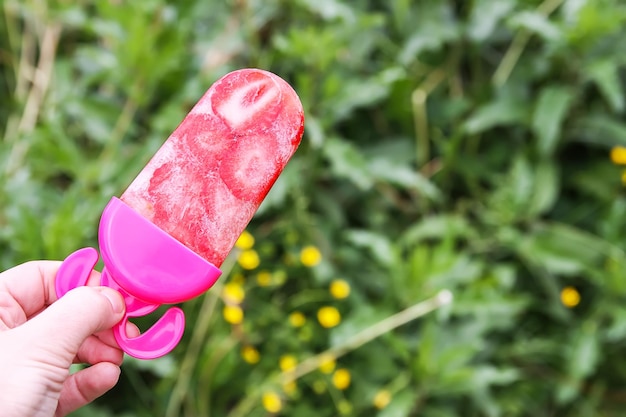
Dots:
pixel 63 327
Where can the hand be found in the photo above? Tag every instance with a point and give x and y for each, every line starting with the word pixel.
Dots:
pixel 40 338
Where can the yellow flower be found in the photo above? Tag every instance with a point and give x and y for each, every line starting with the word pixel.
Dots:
pixel 570 297
pixel 272 402
pixel 233 314
pixel 310 256
pixel 233 293
pixel 249 259
pixel 287 363
pixel 327 365
pixel 381 399
pixel 297 319
pixel 344 407
pixel 341 378
pixel 328 316
pixel 250 354
pixel 290 387
pixel 245 241
pixel 618 155
pixel 264 278
pixel 339 289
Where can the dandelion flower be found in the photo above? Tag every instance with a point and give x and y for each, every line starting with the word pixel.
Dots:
pixel 327 365
pixel 328 316
pixel 249 259
pixel 290 387
pixel 310 256
pixel 233 314
pixel 245 241
pixel 342 379
pixel 233 293
pixel 381 399
pixel 272 402
pixel 297 319
pixel 570 297
pixel 339 289
pixel 618 155
pixel 250 354
pixel 264 278
pixel 287 363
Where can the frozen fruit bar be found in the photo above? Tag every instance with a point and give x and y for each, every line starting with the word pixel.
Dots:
pixel 206 182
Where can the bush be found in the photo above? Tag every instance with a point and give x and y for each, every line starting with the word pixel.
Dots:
pixel 450 147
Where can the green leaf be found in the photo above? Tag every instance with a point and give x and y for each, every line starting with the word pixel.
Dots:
pixel 562 249
pixel 330 9
pixel 435 26
pixel 545 188
pixel 502 112
pixel 600 129
pixel 485 17
pixel 439 227
pixel 401 404
pixel 403 175
pixel 378 245
pixel 581 359
pixel 537 23
pixel 346 161
pixel 364 92
pixel 550 111
pixel 314 131
pixel 606 75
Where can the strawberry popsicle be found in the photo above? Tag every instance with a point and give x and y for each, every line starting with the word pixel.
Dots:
pixel 205 183
pixel 163 241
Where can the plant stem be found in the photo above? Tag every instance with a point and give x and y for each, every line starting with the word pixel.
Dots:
pixel 420 114
pixel 386 325
pixel 198 337
pixel 39 78
pixel 367 335
pixel 512 55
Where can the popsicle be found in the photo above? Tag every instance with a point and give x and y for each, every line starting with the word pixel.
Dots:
pixel 164 239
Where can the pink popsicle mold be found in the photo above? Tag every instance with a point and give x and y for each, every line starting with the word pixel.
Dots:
pixel 162 242
pixel 149 268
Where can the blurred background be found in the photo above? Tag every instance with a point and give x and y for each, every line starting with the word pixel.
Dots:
pixel 469 146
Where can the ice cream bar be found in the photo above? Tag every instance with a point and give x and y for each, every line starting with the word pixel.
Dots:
pixel 205 183
pixel 163 240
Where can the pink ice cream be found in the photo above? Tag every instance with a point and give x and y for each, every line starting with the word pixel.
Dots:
pixel 206 182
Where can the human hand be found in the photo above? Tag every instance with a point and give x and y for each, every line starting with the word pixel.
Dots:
pixel 40 338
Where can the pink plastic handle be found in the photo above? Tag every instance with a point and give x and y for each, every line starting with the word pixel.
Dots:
pixel 155 342
pixel 148 263
pixel 149 268
pixel 75 270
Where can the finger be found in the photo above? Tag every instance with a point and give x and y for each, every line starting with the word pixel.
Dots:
pixel 31 284
pixel 11 313
pixel 66 324
pixel 107 336
pixel 102 347
pixel 86 385
pixel 94 350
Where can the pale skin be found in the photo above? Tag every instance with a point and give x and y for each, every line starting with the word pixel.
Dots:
pixel 42 336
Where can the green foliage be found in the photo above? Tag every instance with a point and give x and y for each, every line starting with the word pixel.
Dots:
pixel 457 146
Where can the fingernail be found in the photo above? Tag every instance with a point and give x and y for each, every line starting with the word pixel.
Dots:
pixel 115 298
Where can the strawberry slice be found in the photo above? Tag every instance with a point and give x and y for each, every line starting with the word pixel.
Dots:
pixel 251 166
pixel 247 99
